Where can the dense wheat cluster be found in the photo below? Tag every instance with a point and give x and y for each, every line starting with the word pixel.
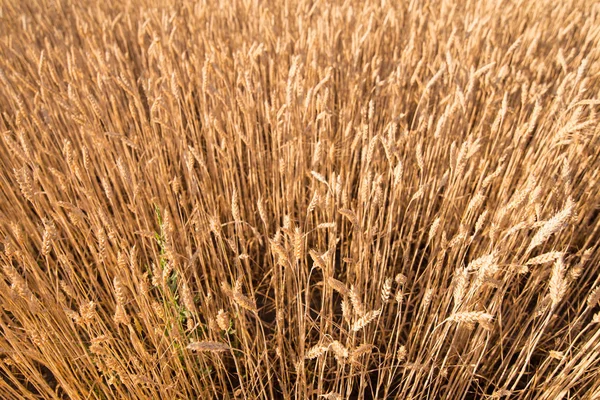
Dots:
pixel 299 199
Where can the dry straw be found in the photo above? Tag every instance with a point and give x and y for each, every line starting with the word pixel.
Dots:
pixel 210 199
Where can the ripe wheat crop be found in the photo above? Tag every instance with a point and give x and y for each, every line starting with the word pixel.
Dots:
pixel 299 199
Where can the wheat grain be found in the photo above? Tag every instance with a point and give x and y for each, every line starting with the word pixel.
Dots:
pixel 244 301
pixel 316 351
pixel 223 321
pixel 357 305
pixel 433 229
pixel 475 202
pixel 346 311
pixel 208 346
pixel 298 244
pixel 460 284
pixel 594 297
pixel 360 351
pixel 317 259
pixel 338 286
pixel 48 237
pixel 401 354
pixel 498 394
pixel 545 258
pixel 319 177
pixel 483 262
pixel 339 350
pixel 553 225
pixel 313 203
pixel 235 210
pixel 365 320
pixel 557 355
pixel 386 290
pixel 471 317
pixel 419 155
pixel 351 215
pixel 188 298
pixel 326 225
pixel 331 396
pixel 24 180
pixel 557 285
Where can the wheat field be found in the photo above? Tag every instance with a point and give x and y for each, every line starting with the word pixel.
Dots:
pixel 299 199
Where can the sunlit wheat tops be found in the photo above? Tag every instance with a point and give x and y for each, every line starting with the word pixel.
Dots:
pixel 299 199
